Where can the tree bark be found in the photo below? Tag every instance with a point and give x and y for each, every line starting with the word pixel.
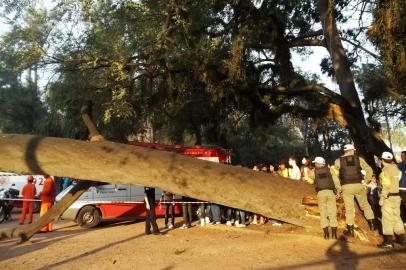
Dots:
pixel 269 195
pixel 367 141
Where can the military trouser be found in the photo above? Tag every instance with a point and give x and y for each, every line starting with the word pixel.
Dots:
pixel 358 191
pixel 328 208
pixel 391 221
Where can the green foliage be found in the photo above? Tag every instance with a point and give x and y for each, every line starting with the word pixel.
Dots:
pixel 184 71
pixel 379 100
pixel 21 111
pixel 388 33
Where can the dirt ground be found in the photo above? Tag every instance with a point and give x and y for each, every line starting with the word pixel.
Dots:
pixel 124 246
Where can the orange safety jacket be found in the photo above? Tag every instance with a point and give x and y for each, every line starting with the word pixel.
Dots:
pixel 48 191
pixel 29 191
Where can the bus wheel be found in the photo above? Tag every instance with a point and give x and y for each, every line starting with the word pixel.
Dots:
pixel 88 217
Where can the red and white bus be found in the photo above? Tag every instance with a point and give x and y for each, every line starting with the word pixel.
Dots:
pixel 125 202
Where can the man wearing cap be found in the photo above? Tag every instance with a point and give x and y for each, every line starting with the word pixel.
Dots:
pixel 390 203
pixel 350 168
pixel 327 185
pixel 28 193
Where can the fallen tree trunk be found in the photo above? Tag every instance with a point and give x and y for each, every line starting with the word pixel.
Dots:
pixel 269 195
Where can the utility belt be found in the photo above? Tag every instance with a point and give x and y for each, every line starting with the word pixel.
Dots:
pixel 320 189
pixel 393 194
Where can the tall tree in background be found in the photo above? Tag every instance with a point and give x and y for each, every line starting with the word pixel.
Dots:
pixel 189 67
pixel 388 33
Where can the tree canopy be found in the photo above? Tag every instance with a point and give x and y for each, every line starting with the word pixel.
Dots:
pixel 196 71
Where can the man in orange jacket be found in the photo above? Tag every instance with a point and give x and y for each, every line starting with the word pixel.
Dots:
pixel 28 193
pixel 47 200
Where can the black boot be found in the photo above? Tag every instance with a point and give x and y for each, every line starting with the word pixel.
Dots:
pixel 371 224
pixel 326 234
pixel 387 242
pixel 334 232
pixel 400 239
pixel 350 231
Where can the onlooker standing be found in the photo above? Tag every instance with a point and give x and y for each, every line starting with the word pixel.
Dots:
pixel 373 195
pixel 240 218
pixel 215 213
pixel 306 169
pixel 204 213
pixel 390 203
pixel 326 185
pixel 294 172
pixel 272 170
pixel 186 212
pixel 283 171
pixel 66 182
pixel 169 201
pixel 28 194
pixel 229 216
pixel 402 191
pixel 150 219
pixel 47 200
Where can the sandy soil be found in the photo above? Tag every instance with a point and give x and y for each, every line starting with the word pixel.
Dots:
pixel 124 246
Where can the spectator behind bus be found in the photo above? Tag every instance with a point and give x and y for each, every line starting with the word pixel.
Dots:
pixel 306 169
pixel 66 182
pixel 186 212
pixel 294 171
pixel 169 201
pixel 283 171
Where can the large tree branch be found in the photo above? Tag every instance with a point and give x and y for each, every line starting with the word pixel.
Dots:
pixel 274 197
pixel 307 43
pixel 358 46
pixel 307 39
pixel 310 34
pixel 303 90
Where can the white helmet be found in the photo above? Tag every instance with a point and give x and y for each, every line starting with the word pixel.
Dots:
pixel 319 160
pixel 387 155
pixel 349 147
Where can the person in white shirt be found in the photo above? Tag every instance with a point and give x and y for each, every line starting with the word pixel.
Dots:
pixel 294 171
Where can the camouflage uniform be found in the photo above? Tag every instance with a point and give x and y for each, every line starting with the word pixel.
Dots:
pixel 348 169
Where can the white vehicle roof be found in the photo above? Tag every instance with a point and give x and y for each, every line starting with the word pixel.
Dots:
pixel 8 180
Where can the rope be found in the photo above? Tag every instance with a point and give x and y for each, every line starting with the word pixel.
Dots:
pixel 27 200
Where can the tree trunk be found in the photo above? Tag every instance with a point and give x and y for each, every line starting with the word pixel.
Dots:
pixel 269 195
pixel 367 141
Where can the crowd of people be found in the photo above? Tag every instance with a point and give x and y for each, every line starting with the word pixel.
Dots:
pixel 349 178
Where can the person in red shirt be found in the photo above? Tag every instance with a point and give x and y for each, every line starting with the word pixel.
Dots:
pixel 28 194
pixel 47 200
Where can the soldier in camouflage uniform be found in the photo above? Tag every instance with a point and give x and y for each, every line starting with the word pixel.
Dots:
pixel 349 169
pixel 327 186
pixel 390 203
